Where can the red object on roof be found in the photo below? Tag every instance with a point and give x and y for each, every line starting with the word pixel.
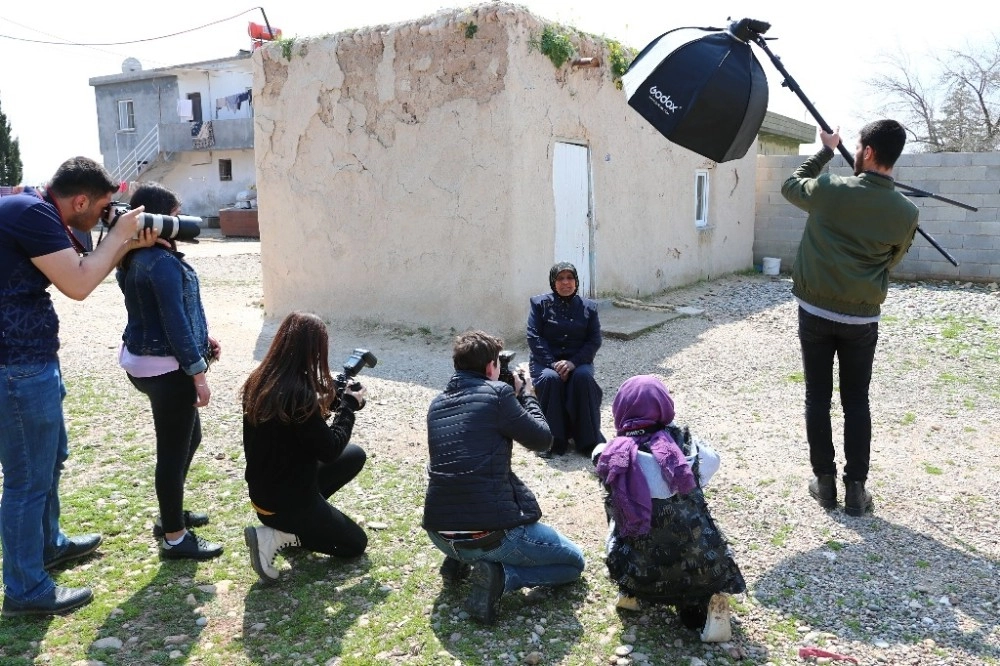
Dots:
pixel 258 31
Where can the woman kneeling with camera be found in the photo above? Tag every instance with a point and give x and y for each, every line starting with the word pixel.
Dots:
pixel 295 459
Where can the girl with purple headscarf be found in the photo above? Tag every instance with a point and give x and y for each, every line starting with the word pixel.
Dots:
pixel 663 545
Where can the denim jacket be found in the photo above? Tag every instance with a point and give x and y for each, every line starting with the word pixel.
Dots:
pixel 165 315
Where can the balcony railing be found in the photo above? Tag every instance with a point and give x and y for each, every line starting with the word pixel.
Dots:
pixel 230 134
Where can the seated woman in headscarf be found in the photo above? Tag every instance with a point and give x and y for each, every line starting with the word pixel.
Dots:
pixel 564 334
pixel 663 546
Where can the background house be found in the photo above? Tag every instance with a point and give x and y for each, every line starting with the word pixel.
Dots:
pixel 187 126
pixel 431 172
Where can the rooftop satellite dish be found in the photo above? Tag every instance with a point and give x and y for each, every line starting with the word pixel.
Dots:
pixel 131 65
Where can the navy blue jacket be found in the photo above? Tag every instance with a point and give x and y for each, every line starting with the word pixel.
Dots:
pixel 470 428
pixel 562 330
pixel 165 315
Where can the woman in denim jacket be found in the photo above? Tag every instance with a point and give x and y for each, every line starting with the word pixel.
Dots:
pixel 165 352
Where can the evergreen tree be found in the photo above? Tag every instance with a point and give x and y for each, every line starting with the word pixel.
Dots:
pixel 11 169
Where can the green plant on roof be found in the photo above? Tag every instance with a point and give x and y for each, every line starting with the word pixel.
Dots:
pixel 556 45
pixel 470 30
pixel 618 58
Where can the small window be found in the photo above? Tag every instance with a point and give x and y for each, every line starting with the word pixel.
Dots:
pixel 126 115
pixel 701 198
pixel 225 169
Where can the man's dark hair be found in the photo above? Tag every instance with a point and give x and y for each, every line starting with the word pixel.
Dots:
pixel 156 198
pixel 474 350
pixel 887 138
pixel 81 175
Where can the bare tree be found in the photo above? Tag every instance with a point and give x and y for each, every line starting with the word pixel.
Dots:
pixel 955 108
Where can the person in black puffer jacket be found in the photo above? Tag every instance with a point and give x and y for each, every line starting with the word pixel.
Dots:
pixel 476 510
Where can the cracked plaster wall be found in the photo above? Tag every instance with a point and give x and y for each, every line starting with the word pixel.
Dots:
pixel 404 174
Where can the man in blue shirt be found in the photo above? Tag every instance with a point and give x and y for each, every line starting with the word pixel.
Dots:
pixel 37 249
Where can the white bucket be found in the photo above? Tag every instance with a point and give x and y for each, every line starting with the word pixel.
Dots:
pixel 771 265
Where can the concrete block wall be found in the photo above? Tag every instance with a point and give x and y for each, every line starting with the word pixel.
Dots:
pixel 973 238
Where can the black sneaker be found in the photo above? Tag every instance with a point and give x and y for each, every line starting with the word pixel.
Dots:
pixel 483 602
pixel 60 600
pixel 857 500
pixel 454 571
pixel 823 488
pixel 192 547
pixel 79 546
pixel 191 519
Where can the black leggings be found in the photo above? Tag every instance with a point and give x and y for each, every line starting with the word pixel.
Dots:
pixel 320 527
pixel 178 435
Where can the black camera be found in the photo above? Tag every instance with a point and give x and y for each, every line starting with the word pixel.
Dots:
pixel 359 358
pixel 506 374
pixel 179 227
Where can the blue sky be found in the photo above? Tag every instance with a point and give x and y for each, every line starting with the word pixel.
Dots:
pixel 828 48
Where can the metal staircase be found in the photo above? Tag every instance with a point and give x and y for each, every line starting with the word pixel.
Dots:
pixel 145 152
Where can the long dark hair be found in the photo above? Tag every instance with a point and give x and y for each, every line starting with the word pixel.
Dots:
pixel 293 382
pixel 157 199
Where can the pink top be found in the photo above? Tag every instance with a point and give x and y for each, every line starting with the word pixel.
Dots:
pixel 145 366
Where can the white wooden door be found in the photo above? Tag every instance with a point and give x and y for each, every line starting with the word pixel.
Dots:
pixel 571 186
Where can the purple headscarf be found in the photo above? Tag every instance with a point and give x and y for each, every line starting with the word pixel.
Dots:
pixel 642 401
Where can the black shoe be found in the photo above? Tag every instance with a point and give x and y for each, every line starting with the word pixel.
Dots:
pixel 192 547
pixel 559 447
pixel 454 571
pixel 857 500
pixel 191 519
pixel 79 546
pixel 483 602
pixel 544 455
pixel 823 488
pixel 60 600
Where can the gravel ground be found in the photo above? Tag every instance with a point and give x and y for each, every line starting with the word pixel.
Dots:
pixel 915 583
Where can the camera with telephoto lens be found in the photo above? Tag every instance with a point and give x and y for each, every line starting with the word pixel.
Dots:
pixel 358 359
pixel 506 374
pixel 179 227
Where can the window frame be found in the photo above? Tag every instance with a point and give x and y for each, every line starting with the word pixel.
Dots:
pixel 702 184
pixel 225 169
pixel 126 115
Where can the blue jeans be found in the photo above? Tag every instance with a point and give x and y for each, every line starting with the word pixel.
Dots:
pixel 33 448
pixel 531 555
pixel 854 347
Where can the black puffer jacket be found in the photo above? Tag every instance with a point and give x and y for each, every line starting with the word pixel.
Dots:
pixel 470 428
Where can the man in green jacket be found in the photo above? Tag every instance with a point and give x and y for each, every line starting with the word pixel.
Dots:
pixel 858 228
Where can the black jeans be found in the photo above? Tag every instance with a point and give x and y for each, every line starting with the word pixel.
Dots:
pixel 178 435
pixel 854 347
pixel 320 527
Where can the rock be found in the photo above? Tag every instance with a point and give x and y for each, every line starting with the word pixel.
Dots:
pixel 623 650
pixel 176 654
pixel 175 640
pixel 201 621
pixel 378 526
pixel 207 589
pixel 533 658
pixel 107 643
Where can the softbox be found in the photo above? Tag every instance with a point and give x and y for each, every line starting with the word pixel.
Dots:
pixel 702 88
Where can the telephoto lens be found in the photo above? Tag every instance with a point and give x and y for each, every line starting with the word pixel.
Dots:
pixel 179 227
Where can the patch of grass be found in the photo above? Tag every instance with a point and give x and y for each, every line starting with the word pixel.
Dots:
pixel 909 418
pixel 923 564
pixel 780 537
pixel 797 377
pixel 470 30
pixel 931 469
pixel 835 546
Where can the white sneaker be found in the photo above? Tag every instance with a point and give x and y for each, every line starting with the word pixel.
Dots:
pixel 717 628
pixel 264 543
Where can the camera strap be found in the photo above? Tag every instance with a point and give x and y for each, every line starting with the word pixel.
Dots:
pixel 77 245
